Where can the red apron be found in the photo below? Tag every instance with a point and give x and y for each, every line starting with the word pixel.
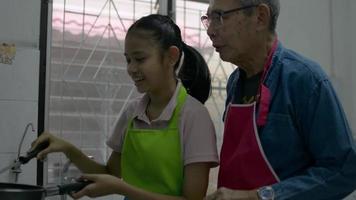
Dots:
pixel 243 164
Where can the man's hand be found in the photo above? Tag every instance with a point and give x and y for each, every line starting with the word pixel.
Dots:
pixel 228 194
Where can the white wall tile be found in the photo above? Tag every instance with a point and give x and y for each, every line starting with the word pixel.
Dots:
pixel 5 160
pixel 304 26
pixel 19 81
pixel 20 21
pixel 14 116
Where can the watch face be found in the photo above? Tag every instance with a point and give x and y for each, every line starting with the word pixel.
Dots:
pixel 266 193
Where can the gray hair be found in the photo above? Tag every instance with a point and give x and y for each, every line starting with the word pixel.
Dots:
pixel 272 4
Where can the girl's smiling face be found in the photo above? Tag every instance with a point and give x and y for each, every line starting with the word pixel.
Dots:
pixel 147 64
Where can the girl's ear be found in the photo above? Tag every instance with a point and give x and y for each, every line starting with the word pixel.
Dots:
pixel 173 55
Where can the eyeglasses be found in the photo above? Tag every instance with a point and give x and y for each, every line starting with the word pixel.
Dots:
pixel 216 17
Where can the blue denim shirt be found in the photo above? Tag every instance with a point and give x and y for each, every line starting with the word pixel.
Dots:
pixel 306 139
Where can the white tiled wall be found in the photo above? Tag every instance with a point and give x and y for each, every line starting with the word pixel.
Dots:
pixel 20 21
pixel 19 83
pixel 14 117
pixel 18 107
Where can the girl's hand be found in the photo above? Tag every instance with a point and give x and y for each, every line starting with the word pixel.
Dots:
pixel 103 184
pixel 55 144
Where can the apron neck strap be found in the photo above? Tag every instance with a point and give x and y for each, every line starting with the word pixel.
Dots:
pixel 268 62
pixel 264 95
pixel 266 68
pixel 182 94
pixel 173 122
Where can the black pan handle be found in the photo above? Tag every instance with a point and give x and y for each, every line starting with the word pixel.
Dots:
pixel 33 153
pixel 73 187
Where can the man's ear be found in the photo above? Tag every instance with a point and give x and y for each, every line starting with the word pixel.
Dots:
pixel 263 14
pixel 173 55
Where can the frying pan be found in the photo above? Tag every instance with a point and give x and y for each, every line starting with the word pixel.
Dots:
pixel 14 191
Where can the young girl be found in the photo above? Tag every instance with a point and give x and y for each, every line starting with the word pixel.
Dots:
pixel 164 143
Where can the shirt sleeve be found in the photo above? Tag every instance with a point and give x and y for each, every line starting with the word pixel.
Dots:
pixel 199 138
pixel 330 143
pixel 116 139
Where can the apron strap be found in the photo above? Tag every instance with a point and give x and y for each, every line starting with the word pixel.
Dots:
pixel 182 94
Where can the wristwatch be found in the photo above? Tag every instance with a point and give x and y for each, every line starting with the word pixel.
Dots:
pixel 265 193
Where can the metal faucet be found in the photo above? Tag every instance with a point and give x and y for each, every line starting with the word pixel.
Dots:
pixel 23 137
pixel 16 169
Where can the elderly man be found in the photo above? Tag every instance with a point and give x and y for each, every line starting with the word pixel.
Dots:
pixel 286 135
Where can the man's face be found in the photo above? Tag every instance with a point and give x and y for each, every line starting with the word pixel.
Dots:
pixel 233 38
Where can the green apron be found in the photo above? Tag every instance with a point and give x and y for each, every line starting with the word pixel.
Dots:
pixel 151 159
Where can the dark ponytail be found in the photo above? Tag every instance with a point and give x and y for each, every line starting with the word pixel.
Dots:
pixel 194 72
